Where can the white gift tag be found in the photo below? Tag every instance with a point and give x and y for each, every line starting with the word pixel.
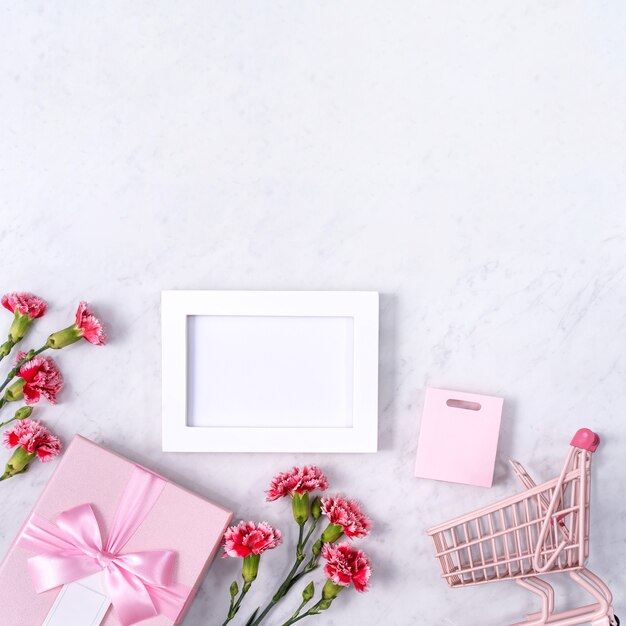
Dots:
pixel 81 603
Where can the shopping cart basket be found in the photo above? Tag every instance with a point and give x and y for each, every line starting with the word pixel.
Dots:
pixel 541 531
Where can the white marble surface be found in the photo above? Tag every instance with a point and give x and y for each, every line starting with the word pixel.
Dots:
pixel 466 160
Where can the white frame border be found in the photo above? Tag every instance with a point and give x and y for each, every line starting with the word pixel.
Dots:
pixel 362 306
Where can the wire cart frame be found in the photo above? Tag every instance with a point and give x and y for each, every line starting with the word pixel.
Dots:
pixel 543 530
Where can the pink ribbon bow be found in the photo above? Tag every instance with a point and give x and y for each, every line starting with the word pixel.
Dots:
pixel 139 584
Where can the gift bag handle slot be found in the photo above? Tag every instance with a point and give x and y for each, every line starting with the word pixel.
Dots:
pixel 463 404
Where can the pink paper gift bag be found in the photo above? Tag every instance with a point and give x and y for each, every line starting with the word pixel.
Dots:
pixel 459 437
pixel 176 520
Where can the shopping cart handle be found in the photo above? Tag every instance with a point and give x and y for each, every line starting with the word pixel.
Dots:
pixel 586 439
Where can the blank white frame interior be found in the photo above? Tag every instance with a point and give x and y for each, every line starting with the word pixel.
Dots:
pixel 270 371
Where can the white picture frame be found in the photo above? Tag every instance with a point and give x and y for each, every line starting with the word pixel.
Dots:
pixel 270 371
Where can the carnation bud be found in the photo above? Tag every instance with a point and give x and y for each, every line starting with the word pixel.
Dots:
pixel 317 547
pixel 316 508
pixel 14 391
pixel 332 533
pixel 309 591
pixel 250 567
pixel 331 591
pixel 18 463
pixel 19 327
pixel 23 412
pixel 65 337
pixel 234 589
pixel 300 507
pixel 6 348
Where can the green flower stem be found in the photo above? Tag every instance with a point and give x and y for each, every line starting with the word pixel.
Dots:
pixel 331 534
pixel 20 414
pixel 232 611
pixel 300 546
pixel 308 535
pixel 3 424
pixel 293 575
pixel 313 561
pixel 329 593
pixel 296 617
pixel 312 564
pixel 282 590
pixel 30 355
pixel 302 605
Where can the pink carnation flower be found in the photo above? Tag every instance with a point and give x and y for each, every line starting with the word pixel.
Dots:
pixel 34 438
pixel 25 304
pixel 90 326
pixel 42 378
pixel 247 538
pixel 298 480
pixel 346 565
pixel 348 515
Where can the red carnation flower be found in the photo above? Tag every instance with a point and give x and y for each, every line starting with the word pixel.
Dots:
pixel 347 566
pixel 299 480
pixel 348 515
pixel 90 326
pixel 24 304
pixel 26 308
pixel 250 538
pixel 34 439
pixel 42 378
pixel 87 326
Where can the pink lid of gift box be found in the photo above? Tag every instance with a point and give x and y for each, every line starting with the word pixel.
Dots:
pixel 87 473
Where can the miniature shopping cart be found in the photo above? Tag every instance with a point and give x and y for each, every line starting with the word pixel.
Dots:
pixel 541 531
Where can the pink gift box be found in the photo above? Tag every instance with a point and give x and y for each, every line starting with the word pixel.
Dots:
pixel 87 473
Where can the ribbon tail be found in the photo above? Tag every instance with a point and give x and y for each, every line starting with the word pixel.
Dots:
pixel 171 600
pixel 129 596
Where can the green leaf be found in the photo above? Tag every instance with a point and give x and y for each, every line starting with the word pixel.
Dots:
pixel 252 618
